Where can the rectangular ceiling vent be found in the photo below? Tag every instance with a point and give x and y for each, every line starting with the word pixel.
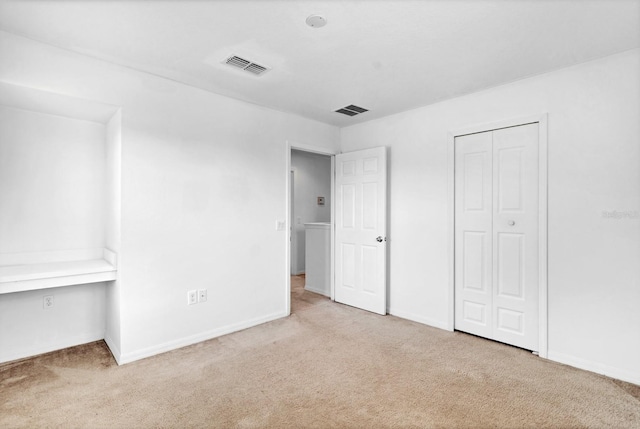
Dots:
pixel 352 110
pixel 246 65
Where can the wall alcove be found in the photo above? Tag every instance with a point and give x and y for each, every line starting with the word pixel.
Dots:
pixel 59 220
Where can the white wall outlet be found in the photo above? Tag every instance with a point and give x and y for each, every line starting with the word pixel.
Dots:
pixel 280 225
pixel 202 295
pixel 192 297
pixel 47 301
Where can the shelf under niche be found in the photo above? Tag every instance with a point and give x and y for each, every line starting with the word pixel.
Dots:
pixel 25 272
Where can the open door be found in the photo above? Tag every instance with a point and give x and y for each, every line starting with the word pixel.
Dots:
pixel 361 229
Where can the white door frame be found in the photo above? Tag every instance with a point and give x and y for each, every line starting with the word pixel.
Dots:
pixel 292 215
pixel 541 119
pixel 289 222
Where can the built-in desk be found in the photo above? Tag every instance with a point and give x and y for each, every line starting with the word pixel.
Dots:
pixel 19 273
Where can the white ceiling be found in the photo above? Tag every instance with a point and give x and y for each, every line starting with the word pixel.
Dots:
pixel 387 56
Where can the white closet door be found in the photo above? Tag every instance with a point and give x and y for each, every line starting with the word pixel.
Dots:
pixel 473 234
pixel 496 241
pixel 515 235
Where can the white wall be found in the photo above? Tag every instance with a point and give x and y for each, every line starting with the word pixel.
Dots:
pixel 27 329
pixel 594 154
pixel 203 183
pixel 51 182
pixel 51 199
pixel 312 179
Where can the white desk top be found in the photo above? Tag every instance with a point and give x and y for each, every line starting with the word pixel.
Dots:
pixel 19 278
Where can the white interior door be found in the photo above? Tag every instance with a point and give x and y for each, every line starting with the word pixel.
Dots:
pixel 496 235
pixel 360 249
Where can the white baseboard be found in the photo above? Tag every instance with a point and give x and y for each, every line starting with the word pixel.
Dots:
pixel 9 355
pixel 113 347
pixel 598 368
pixel 193 339
pixel 318 291
pixel 420 319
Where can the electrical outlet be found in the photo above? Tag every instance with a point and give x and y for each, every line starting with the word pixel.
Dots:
pixel 192 297
pixel 47 301
pixel 202 295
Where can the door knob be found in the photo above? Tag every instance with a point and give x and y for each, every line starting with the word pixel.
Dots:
pixel 379 239
pixel 512 222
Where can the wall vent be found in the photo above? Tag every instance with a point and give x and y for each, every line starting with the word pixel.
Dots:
pixel 246 65
pixel 351 110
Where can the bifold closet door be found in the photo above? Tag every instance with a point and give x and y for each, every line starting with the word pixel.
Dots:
pixel 496 235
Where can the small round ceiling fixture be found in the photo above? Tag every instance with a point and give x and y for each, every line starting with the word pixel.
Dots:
pixel 316 21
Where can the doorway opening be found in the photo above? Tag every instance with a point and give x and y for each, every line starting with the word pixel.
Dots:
pixel 310 216
pixel 355 240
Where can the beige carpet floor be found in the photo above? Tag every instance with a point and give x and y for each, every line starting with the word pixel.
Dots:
pixel 328 365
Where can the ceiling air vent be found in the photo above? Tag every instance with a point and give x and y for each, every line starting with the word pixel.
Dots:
pixel 352 110
pixel 255 68
pixel 245 65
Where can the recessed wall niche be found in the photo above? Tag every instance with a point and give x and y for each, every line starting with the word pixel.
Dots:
pixel 59 219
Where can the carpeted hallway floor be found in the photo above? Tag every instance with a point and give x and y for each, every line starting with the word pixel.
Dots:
pixel 327 365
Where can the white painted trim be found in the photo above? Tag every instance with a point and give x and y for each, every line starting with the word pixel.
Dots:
pixel 318 291
pixel 598 368
pixel 542 120
pixel 387 232
pixel 193 339
pixel 420 319
pixel 289 228
pixel 332 233
pixel 543 250
pixel 9 355
pixel 310 148
pixel 450 227
pixel 293 250
pixel 114 349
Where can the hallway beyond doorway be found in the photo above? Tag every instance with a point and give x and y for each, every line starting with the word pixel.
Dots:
pixel 302 298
